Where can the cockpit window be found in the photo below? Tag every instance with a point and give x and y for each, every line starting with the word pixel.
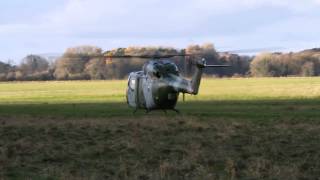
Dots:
pixel 132 83
pixel 171 68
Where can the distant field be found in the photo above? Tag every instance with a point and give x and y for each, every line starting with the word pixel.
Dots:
pixel 234 129
pixel 114 91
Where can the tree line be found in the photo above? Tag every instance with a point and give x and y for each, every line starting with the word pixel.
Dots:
pixel 87 62
pixel 304 63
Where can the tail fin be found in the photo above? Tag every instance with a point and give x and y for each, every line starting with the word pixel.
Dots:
pixel 196 79
pixel 191 87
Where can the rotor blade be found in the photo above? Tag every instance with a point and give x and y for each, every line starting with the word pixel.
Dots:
pixel 126 56
pixel 149 56
pixel 217 66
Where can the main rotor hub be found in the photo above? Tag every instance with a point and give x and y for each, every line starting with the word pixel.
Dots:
pixel 160 68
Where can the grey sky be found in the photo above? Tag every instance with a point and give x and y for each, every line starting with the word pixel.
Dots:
pixel 30 26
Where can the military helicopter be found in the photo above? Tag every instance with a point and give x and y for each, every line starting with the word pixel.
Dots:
pixel 158 85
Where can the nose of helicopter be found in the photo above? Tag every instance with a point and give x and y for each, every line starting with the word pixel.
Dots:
pixel 165 95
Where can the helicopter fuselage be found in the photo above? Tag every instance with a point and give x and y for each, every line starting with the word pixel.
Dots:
pixel 158 85
pixel 144 92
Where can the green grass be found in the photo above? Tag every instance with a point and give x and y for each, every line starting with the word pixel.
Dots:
pixel 114 91
pixel 234 129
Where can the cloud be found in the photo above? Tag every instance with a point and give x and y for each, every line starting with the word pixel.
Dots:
pixel 157 17
pixel 109 23
pixel 144 17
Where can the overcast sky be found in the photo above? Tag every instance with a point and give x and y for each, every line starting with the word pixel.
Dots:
pixel 33 26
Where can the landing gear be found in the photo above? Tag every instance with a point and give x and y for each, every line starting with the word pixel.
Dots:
pixel 164 110
pixel 135 110
pixel 176 110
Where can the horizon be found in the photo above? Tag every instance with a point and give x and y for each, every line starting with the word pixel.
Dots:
pixel 36 27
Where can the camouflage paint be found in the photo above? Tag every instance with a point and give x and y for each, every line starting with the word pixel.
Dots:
pixel 159 84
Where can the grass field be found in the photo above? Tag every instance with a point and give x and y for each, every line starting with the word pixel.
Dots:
pixel 234 129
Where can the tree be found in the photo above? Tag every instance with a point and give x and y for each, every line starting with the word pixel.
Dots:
pixel 239 65
pixel 4 67
pixel 32 64
pixel 306 63
pixel 261 65
pixel 96 69
pixel 206 51
pixel 33 67
pixel 73 62
pixel 308 69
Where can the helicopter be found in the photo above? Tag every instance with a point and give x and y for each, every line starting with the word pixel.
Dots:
pixel 158 85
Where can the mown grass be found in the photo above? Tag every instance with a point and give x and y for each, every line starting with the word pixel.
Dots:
pixel 114 91
pixel 235 129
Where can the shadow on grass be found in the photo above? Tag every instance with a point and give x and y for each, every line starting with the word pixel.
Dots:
pixel 211 140
pixel 252 109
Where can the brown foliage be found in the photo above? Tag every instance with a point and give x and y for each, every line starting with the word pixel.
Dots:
pixel 305 63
